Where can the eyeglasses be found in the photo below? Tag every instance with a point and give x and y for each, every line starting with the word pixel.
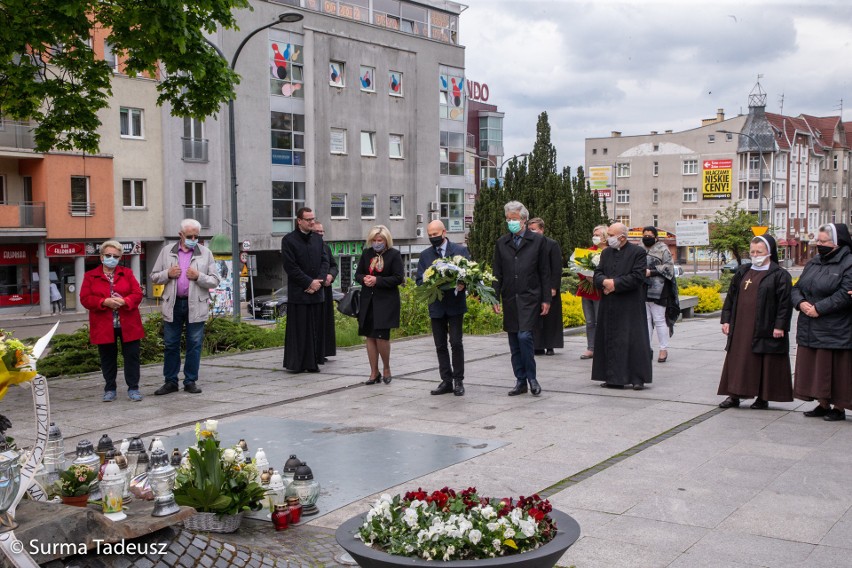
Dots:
pixel 112 256
pixel 306 220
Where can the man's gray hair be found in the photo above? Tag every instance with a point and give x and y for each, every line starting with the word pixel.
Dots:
pixel 517 207
pixel 190 224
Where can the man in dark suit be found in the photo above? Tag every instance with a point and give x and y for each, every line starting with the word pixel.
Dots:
pixel 550 335
pixel 306 268
pixel 447 314
pixel 522 269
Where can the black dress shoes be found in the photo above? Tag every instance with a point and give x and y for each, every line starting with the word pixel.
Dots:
pixel 818 412
pixel 549 352
pixel 192 388
pixel 444 388
pixel 835 414
pixel 520 388
pixel 374 380
pixel 759 404
pixel 639 386
pixel 730 402
pixel 167 388
pixel 535 388
pixel 458 388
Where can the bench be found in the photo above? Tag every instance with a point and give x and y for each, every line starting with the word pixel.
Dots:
pixel 687 306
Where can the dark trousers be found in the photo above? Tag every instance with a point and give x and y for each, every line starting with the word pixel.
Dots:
pixel 441 327
pixel 109 362
pixel 172 332
pixel 522 348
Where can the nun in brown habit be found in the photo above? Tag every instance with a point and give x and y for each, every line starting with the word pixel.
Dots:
pixel 756 318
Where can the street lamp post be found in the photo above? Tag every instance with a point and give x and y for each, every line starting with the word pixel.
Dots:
pixel 286 18
pixel 500 169
pixel 760 174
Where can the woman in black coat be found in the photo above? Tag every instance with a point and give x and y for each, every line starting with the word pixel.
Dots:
pixel 756 318
pixel 824 331
pixel 380 273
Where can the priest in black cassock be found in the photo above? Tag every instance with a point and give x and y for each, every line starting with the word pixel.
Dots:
pixel 550 335
pixel 306 267
pixel 328 337
pixel 622 346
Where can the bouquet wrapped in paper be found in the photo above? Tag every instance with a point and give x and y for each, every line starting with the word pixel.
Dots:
pixel 16 363
pixel 587 261
pixel 446 274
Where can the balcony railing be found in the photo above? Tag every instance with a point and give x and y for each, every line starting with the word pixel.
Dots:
pixel 194 149
pixel 81 208
pixel 23 215
pixel 200 213
pixel 17 134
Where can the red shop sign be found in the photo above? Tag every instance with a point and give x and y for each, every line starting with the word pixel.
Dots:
pixel 65 249
pixel 19 254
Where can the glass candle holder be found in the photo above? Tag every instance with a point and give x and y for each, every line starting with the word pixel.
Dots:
pixel 112 488
pixel 161 477
pixel 280 517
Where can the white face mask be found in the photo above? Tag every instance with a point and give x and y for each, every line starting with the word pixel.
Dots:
pixel 596 240
pixel 759 260
pixel 612 242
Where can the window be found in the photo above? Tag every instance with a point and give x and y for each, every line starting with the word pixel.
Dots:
pixel 451 94
pixel 594 151
pixel 729 136
pixel 623 219
pixel 690 194
pixel 781 221
pixel 604 151
pixel 793 192
pixel 80 206
pixel 452 153
pixel 812 193
pixel 395 143
pixel 655 220
pixel 845 190
pixel 286 69
pixel 133 193
pixel 335 74
pixel 396 206
pixel 622 170
pixel 368 143
pixel 110 56
pixel 452 209
pixel 834 189
pixel 338 206
pixel 288 139
pixel 711 138
pixel 395 83
pixel 656 147
pixel 622 196
pixel 656 171
pixel 194 144
pixel 753 192
pixel 287 198
pixel 834 161
pixel 780 192
pixel 655 195
pixel 368 206
pixel 193 194
pixel 690 167
pixel 131 122
pixel 338 141
pixel 690 217
pixel 2 190
pixel 491 135
pixel 367 78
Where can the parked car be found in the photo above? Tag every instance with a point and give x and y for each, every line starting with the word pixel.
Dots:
pixel 274 305
pixel 732 266
pixel 678 271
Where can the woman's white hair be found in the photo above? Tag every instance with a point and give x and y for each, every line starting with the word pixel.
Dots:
pixel 517 207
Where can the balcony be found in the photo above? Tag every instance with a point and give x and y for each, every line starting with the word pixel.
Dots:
pixel 17 135
pixel 753 175
pixel 200 213
pixel 23 215
pixel 194 149
pixel 81 208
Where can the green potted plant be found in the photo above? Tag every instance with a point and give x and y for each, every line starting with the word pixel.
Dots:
pixel 217 483
pixel 73 485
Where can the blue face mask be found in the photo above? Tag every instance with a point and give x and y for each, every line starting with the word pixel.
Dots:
pixel 110 262
pixel 514 226
pixel 190 243
pixel 378 247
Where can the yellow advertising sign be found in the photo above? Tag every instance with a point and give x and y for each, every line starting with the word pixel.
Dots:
pixel 717 179
pixel 599 180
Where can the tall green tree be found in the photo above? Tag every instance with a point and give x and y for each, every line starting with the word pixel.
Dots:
pixel 730 230
pixel 49 74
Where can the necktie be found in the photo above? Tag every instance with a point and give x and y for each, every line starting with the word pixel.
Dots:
pixel 440 252
pixel 517 241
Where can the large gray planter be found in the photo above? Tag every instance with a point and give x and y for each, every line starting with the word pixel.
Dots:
pixel 545 556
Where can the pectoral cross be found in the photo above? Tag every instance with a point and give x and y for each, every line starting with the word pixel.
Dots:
pixel 747 282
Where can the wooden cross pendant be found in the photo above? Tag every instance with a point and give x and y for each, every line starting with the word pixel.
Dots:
pixel 747 282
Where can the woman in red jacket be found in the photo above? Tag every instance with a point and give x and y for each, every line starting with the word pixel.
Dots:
pixel 112 295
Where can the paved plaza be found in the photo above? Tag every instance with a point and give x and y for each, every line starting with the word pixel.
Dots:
pixel 656 478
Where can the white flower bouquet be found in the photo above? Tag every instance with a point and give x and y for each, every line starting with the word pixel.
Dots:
pixel 587 261
pixel 446 274
pixel 445 525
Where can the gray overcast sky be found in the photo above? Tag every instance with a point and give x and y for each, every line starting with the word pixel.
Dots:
pixel 637 65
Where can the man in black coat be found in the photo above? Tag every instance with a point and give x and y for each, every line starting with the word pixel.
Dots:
pixel 522 269
pixel 447 314
pixel 622 345
pixel 328 338
pixel 551 333
pixel 306 268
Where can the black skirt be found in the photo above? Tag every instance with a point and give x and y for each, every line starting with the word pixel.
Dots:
pixel 365 326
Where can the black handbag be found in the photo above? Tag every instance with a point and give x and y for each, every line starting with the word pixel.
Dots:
pixel 350 303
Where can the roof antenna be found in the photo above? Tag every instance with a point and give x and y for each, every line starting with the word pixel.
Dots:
pixel 781 102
